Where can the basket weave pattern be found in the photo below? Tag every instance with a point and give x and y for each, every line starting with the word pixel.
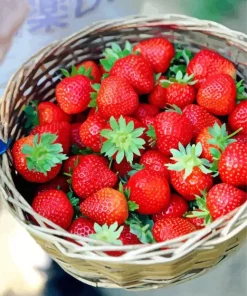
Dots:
pixel 142 266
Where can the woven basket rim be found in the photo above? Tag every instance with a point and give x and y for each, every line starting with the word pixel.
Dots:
pixel 198 237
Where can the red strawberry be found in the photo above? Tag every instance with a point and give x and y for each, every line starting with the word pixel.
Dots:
pixel 198 222
pixel 177 208
pixel 106 206
pixel 55 206
pixel 38 159
pixel 224 198
pixel 49 112
pixel 213 137
pixel 170 228
pixel 233 164
pixel 147 121
pixel 218 94
pixel 158 95
pixel 127 238
pixel 61 129
pixel 122 168
pixel 146 110
pixel 189 173
pixel 95 70
pixel 71 163
pixel 90 132
pixel 159 51
pixel 123 139
pixel 75 135
pixel 82 227
pixel 180 91
pixel 135 68
pixel 149 191
pixel 199 118
pixel 116 97
pixel 171 128
pixel 207 63
pixel 241 138
pixel 155 161
pixel 92 175
pixel 73 94
pixel 58 183
pixel 238 118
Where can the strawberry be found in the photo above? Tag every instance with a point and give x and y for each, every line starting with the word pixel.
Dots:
pixel 149 191
pixel 73 94
pixel 158 95
pixel 241 138
pixel 223 198
pixel 177 208
pixel 189 174
pixel 218 94
pixel 147 121
pixel 155 161
pixel 116 97
pixel 123 168
pixel 238 118
pixel 71 163
pixel 180 90
pixel 38 159
pixel 198 222
pixel 59 183
pixel 233 164
pixel 82 226
pixel 93 68
pixel 199 118
pixel 61 129
pixel 135 68
pixel 159 51
pixel 49 112
pixel 127 238
pixel 55 206
pixel 171 128
pixel 106 206
pixel 92 175
pixel 215 137
pixel 75 135
pixel 90 132
pixel 207 63
pixel 146 110
pixel 170 228
pixel 122 139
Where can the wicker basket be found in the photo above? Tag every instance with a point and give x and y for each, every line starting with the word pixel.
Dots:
pixel 142 267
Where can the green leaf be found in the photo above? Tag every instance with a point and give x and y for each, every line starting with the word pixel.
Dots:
pixel 31 112
pixel 73 71
pixel 132 206
pixel 96 87
pixel 106 65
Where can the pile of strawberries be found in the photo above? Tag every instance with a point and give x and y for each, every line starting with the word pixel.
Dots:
pixel 146 146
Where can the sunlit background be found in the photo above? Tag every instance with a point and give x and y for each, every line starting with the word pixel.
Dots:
pixel 23 264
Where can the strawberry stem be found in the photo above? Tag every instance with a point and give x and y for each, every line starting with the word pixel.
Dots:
pixel 122 140
pixel 109 234
pixel 44 154
pixel 188 158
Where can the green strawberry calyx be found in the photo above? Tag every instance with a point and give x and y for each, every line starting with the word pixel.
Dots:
pixel 136 167
pixel 241 94
pixel 31 112
pixel 114 53
pixel 75 203
pixel 141 226
pixel 126 192
pixel 80 71
pixel 93 95
pixel 188 158
pixel 221 140
pixel 179 78
pixel 44 154
pixel 122 139
pixel 173 108
pixel 180 61
pixel 152 135
pixel 202 211
pixel 109 234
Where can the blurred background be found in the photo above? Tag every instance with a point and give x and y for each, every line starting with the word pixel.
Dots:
pixel 24 269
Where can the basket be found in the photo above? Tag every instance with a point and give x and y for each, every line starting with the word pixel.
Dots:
pixel 142 267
